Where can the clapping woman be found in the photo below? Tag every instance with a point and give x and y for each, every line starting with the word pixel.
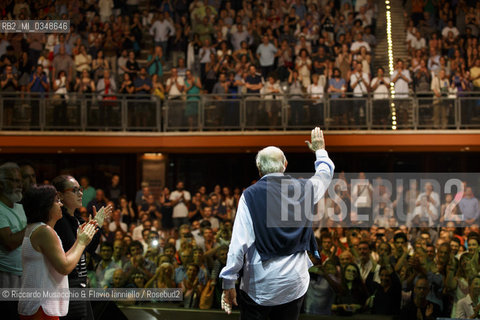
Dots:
pixel 70 193
pixel 45 263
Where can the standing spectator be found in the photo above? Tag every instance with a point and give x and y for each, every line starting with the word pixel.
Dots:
pixel 180 200
pixel 337 88
pixel 64 62
pixel 114 189
pixel 127 86
pixel 105 267
pixel 266 53
pixel 46 264
pixel 84 84
pixel 272 93
pixel 352 294
pixel 105 9
pixel 221 89
pixel 12 230
pixel 132 65
pixel 253 83
pixel 87 190
pixel 441 104
pixel 359 82
pixel 316 93
pixel 418 307
pixel 39 86
pixel 303 64
pixel 162 30
pixel 83 60
pixel 358 44
pixel 99 65
pixel 296 99
pixel 143 86
pixel 239 36
pixel 97 202
pixel 401 78
pixel 107 88
pixel 469 207
pixel 29 177
pixel 192 89
pixel 174 88
pixel 155 62
pixel 475 75
pixel 61 86
pixel 380 86
pixel 8 84
pixel 205 56
pixel 468 307
pixel 122 63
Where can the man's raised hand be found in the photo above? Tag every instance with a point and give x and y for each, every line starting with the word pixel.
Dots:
pixel 317 140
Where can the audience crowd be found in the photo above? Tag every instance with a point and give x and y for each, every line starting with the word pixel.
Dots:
pixel 306 49
pixel 423 265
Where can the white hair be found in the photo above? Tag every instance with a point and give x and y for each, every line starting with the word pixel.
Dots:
pixel 270 160
pixel 8 167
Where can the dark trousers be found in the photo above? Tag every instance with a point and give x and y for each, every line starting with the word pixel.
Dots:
pixel 250 310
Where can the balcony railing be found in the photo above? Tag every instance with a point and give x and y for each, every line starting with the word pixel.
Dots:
pixel 82 112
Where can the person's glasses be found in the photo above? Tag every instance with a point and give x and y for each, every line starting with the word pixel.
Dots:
pixel 74 190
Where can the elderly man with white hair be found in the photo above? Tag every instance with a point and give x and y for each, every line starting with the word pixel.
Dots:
pixel 12 230
pixel 266 246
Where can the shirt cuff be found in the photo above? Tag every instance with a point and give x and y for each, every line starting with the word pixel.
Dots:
pixel 321 153
pixel 228 284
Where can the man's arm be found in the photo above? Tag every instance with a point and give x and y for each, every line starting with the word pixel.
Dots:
pixel 242 238
pixel 324 167
pixel 10 240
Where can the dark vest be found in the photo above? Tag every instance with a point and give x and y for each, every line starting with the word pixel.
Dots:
pixel 269 205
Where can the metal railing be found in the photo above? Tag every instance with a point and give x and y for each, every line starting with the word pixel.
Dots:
pixel 209 112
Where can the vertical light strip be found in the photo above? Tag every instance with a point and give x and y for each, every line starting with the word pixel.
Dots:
pixel 390 62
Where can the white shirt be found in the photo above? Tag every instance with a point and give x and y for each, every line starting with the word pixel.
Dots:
pixel 278 280
pixel 161 30
pixel 464 308
pixel 381 92
pixel 401 86
pixel 174 89
pixel 358 44
pixel 361 87
pixel 180 210
pixel 113 226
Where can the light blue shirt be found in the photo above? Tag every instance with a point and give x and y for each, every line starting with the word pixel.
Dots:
pixel 279 280
pixel 267 54
pixel 469 208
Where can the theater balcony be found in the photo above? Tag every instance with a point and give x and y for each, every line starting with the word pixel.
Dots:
pixel 231 124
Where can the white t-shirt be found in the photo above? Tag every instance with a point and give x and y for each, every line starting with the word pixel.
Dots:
pixel 180 210
pixel 401 86
pixel 173 89
pixel 381 92
pixel 361 87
